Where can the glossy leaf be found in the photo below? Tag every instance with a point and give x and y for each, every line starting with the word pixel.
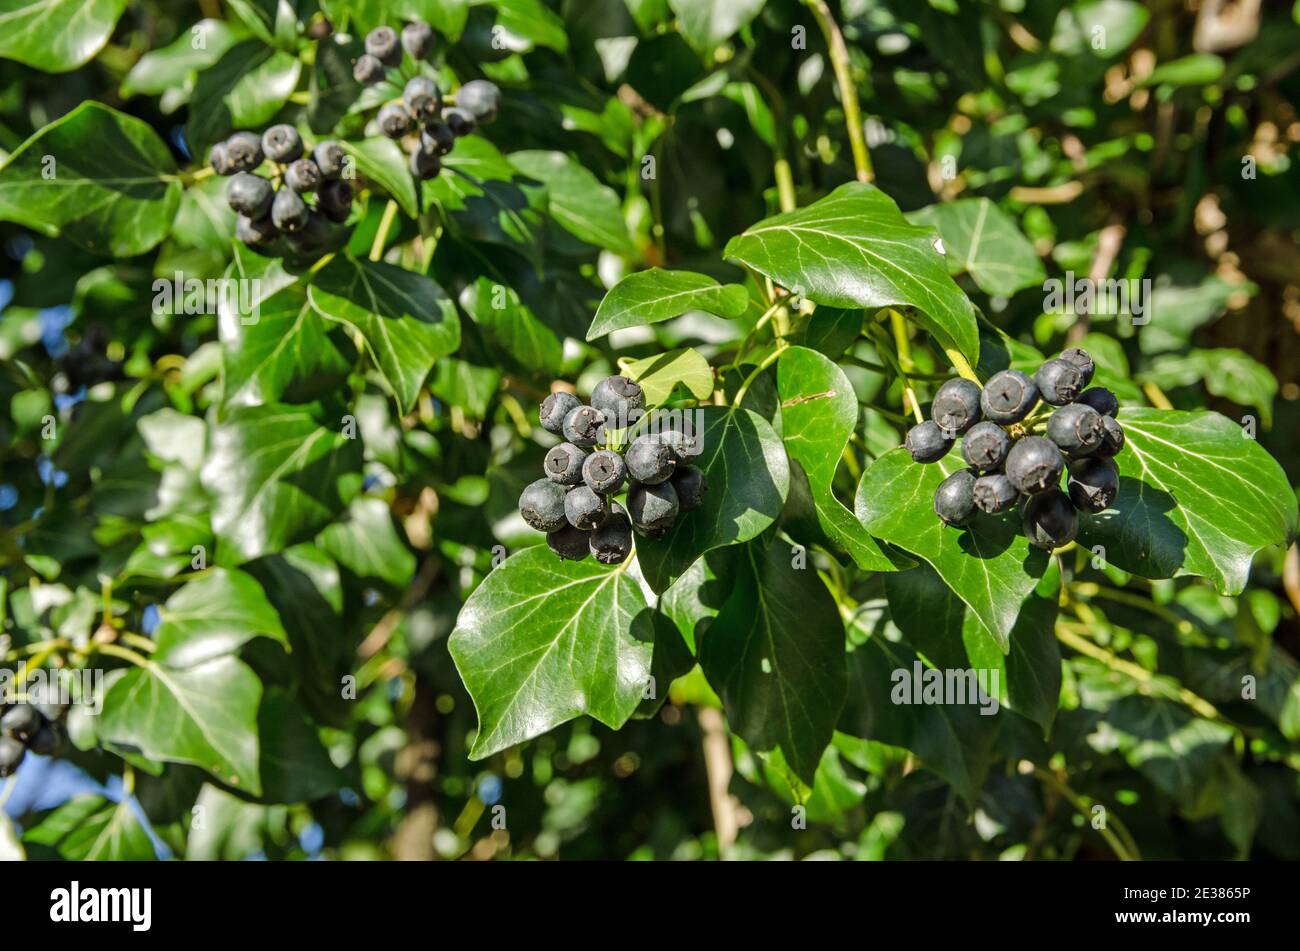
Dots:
pixel 488 199
pixel 587 209
pixel 56 35
pixel 90 828
pixel 648 297
pixel 660 375
pixel 383 162
pixel 515 334
pixel 366 543
pixel 213 615
pixel 981 240
pixel 246 88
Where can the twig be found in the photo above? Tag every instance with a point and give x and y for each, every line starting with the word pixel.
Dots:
pixel 839 54
pixel 718 768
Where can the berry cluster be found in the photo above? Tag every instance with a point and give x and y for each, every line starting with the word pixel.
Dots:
pixel 24 726
pixel 421 108
pixel 1008 464
pixel 274 216
pixel 575 503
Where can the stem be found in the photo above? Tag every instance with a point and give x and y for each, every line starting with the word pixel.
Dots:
pixel 960 365
pixel 839 54
pixel 122 653
pixel 1080 803
pixel 899 326
pixel 784 183
pixel 1156 396
pixel 748 338
pixel 386 222
pixel 718 769
pixel 767 362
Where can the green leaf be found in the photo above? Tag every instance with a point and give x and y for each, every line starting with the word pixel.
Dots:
pixel 527 23
pixel 660 375
pixel 706 23
pixel 56 36
pixel 513 331
pixel 747 475
pixel 405 319
pixel 989 564
pixel 90 829
pixel 278 474
pixel 367 543
pixel 775 654
pixel 488 199
pixel 854 248
pixel 981 240
pixel 542 641
pixel 1197 496
pixel 1163 740
pixel 587 209
pixel 174 65
pixel 212 615
pixel 1196 69
pixel 648 297
pixel 109 188
pixel 295 766
pixel 246 88
pixel 819 411
pixel 205 715
pixel 383 162
pixel 1226 372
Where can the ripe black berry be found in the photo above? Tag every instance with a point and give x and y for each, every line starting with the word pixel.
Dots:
pixel 11 756
pixel 1082 359
pixel 617 397
pixel 335 199
pixel 994 493
pixel 611 541
pixel 555 408
pixel 424 164
pixel 568 542
pixel 584 426
pixel 563 464
pixel 926 442
pixel 1093 484
pixel 303 175
pixel 20 721
pixel 45 741
pixel 382 43
pixel 683 447
pixel 985 446
pixel 417 39
pixel 479 98
pixel 956 407
pixel 368 69
pixel 313 238
pixel 289 212
pixel 688 482
pixel 584 508
pixel 1034 464
pixel 604 471
pixel 542 505
pixel 243 152
pixel 395 120
pixel 1076 429
pixel 438 138
pixel 422 98
pixel 650 460
pixel 1049 520
pixel 329 158
pixel 282 143
pixel 260 234
pixel 653 507
pixel 1113 439
pixel 1008 397
pixel 460 121
pixel 219 160
pixel 1059 382
pixel 250 195
pixel 1100 399
pixel 954 499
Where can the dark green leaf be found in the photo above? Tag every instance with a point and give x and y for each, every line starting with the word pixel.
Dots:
pixel 648 297
pixel 56 35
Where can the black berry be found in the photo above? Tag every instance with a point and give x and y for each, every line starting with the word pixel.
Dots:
pixel 334 199
pixel 604 471
pixel 1049 520
pixel 617 397
pixel 479 98
pixel 555 408
pixel 927 442
pixel 219 160
pixel 20 721
pixel 956 407
pixel 1100 399
pixel 683 447
pixel 584 508
pixel 303 175
pixel 568 542
pixel 1093 484
pixel 985 446
pixel 688 482
pixel 438 138
pixel 563 464
pixel 417 39
pixel 652 507
pixel 250 195
pixel 1083 360
pixel 11 756
pixel 611 541
pixel 1076 429
pixel 45 741
pixel 542 505
pixel 954 499
pixel 1008 397
pixel 282 143
pixel 650 460
pixel 460 121
pixel 425 164
pixel 243 152
pixel 313 238
pixel 260 234
pixel 1034 464
pixel 368 69
pixel 1059 382
pixel 423 98
pixel 289 212
pixel 584 426
pixel 1112 440
pixel 383 45
pixel 994 493
pixel 329 158
pixel 395 120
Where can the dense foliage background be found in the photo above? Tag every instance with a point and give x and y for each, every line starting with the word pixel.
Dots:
pixel 292 694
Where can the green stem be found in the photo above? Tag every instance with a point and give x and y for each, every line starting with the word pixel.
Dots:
pixel 961 365
pixel 839 54
pixel 381 235
pixel 1082 804
pixel 767 362
pixel 122 653
pixel 904 345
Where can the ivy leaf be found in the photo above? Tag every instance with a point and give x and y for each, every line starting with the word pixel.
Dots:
pixel 1173 748
pixel 205 715
pixel 244 90
pixel 488 199
pixel 111 191
pixel 367 543
pixel 173 66
pixel 578 201
pixel 648 297
pixel 1197 496
pixel 660 375
pixel 707 23
pixel 854 248
pixel 526 23
pixel 90 829
pixel 406 319
pixel 542 641
pixel 278 474
pixel 511 327
pixel 748 476
pixel 1226 372
pixel 775 654
pixel 213 615
pixel 988 564
pixel 383 162
pixel 56 36
pixel 819 411
pixel 294 764
pixel 981 240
